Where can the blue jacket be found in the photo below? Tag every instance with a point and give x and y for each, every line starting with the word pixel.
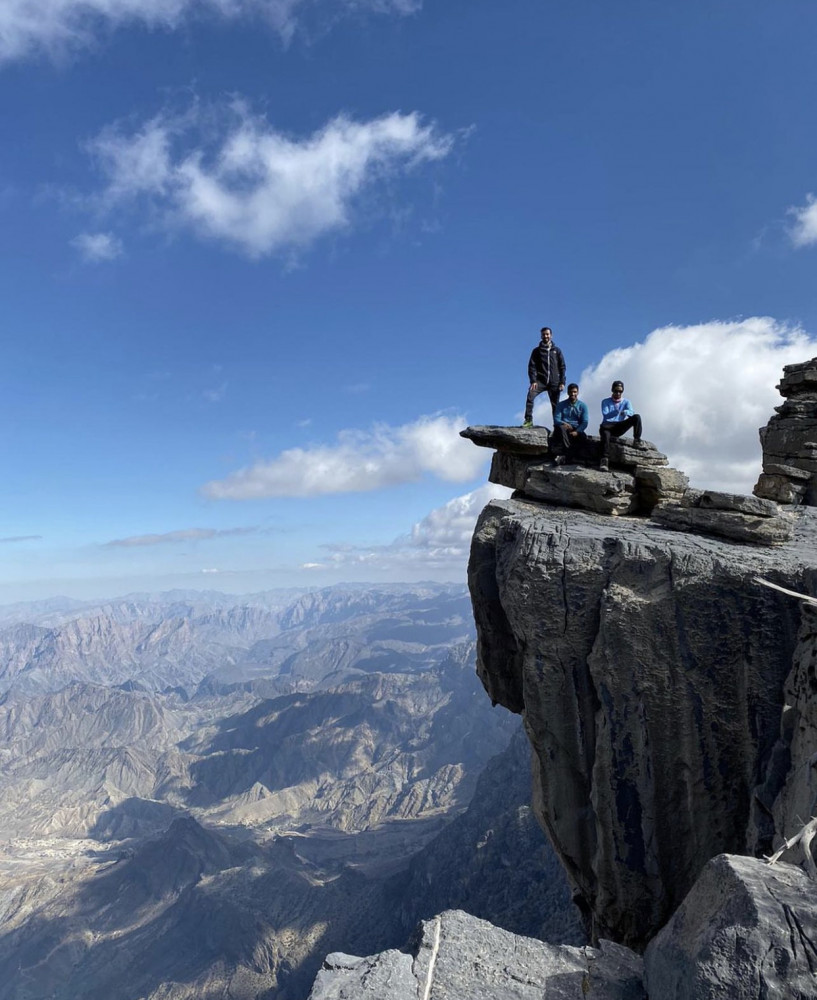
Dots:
pixel 612 413
pixel 575 414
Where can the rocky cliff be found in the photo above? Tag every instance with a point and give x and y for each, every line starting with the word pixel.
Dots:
pixel 666 693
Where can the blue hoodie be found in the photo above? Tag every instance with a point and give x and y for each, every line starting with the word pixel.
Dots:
pixel 575 414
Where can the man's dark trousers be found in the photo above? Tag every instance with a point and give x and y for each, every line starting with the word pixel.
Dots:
pixel 551 390
pixel 606 431
pixel 563 444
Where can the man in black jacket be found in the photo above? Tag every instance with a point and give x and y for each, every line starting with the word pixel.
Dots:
pixel 546 373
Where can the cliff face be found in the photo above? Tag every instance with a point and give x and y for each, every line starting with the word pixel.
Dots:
pixel 663 690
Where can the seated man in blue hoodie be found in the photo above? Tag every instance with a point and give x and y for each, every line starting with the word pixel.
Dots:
pixel 617 418
pixel 569 425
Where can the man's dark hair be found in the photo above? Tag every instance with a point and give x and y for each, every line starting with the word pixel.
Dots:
pixel 572 386
pixel 617 382
pixel 545 328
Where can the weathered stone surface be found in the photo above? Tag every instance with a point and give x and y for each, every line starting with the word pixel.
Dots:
pixel 712 500
pixel 458 957
pixel 745 931
pixel 624 452
pixel 656 484
pixel 512 470
pixel 590 489
pixel 636 657
pixel 519 440
pixel 790 439
pixel 723 523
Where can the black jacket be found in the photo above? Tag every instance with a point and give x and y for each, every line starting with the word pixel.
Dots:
pixel 547 366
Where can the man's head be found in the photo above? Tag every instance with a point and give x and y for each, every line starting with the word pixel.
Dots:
pixel 617 388
pixel 572 392
pixel 547 334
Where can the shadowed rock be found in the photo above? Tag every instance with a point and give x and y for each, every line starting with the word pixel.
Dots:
pixel 745 930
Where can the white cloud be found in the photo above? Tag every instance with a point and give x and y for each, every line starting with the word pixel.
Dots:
pixel 228 175
pixel 703 391
pixel 181 535
pixel 58 26
pixel 440 542
pixel 360 460
pixel 804 230
pixel 96 247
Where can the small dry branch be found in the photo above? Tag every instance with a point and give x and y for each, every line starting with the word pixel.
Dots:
pixel 804 837
pixel 785 590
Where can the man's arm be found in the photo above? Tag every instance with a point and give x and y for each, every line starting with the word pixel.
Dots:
pixel 627 409
pixel 560 358
pixel 532 367
pixel 584 416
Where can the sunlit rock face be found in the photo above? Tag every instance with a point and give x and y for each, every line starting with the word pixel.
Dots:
pixel 652 673
pixel 789 440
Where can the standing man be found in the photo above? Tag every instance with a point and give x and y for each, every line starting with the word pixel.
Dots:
pixel 546 373
pixel 617 418
pixel 569 426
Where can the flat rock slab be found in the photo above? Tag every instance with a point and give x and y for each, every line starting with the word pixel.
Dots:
pixel 518 440
pixel 624 452
pixel 589 489
pixel 712 500
pixel 727 524
pixel 459 957
pixel 746 930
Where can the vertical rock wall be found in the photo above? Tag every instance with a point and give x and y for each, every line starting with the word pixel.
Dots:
pixel 651 672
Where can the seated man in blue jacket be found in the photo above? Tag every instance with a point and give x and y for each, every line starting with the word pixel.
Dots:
pixel 617 418
pixel 569 425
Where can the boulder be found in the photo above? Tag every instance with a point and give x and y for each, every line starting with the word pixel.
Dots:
pixel 656 484
pixel 789 440
pixel 576 486
pixel 746 931
pixel 517 440
pixel 456 956
pixel 729 524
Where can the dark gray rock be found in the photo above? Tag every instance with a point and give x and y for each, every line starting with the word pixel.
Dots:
pixel 518 440
pixel 790 440
pixel 729 524
pixel 656 484
pixel 456 956
pixel 576 486
pixel 651 672
pixel 712 500
pixel 512 470
pixel 746 931
pixel 624 452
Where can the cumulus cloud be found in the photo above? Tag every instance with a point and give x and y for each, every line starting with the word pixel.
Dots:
pixel 182 535
pixel 703 391
pixel 440 542
pixel 803 231
pixel 228 175
pixel 359 461
pixel 57 26
pixel 96 247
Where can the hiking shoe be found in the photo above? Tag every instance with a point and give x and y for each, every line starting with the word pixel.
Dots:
pixel 639 444
pixel 527 423
pixel 604 465
pixel 559 460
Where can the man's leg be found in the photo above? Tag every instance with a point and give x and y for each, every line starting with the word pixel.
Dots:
pixel 553 392
pixel 574 446
pixel 532 394
pixel 560 440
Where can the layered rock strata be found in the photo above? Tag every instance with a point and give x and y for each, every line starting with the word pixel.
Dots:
pixel 651 671
pixel 789 440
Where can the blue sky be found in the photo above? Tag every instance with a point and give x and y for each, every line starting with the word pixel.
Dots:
pixel 262 258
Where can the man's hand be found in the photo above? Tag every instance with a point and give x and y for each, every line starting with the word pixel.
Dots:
pixel 573 433
pixel 534 386
pixel 561 387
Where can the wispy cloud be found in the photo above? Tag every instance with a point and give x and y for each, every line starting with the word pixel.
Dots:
pixel 359 461
pixel 803 231
pixel 182 535
pixel 703 391
pixel 55 27
pixel 441 541
pixel 97 247
pixel 21 538
pixel 228 175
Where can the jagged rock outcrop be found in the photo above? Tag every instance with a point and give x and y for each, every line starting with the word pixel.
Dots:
pixel 456 955
pixel 746 930
pixel 727 515
pixel 651 672
pixel 789 440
